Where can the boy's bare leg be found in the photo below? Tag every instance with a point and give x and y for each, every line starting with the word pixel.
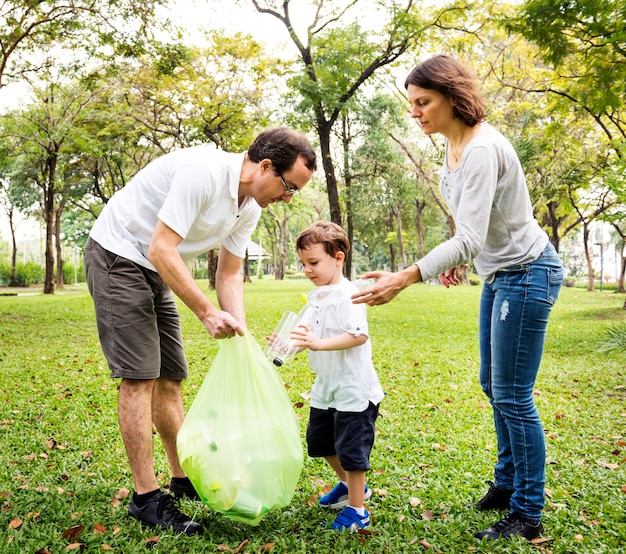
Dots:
pixel 333 461
pixel 355 480
pixel 356 488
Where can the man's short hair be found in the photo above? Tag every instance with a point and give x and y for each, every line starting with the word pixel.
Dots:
pixel 283 146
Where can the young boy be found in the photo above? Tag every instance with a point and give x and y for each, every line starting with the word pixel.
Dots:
pixel 346 392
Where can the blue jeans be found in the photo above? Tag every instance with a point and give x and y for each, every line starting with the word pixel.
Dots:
pixel 514 311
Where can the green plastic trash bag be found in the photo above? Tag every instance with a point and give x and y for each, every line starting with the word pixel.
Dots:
pixel 240 442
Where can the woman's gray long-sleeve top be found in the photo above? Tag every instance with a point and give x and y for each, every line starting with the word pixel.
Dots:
pixel 490 203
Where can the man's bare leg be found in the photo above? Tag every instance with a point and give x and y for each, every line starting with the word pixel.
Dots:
pixel 134 412
pixel 168 414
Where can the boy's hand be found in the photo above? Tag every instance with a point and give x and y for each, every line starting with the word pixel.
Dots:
pixel 302 338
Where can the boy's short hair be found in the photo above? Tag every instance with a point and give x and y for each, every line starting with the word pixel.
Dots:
pixel 326 233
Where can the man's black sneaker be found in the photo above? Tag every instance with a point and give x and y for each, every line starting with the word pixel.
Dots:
pixel 512 525
pixel 495 498
pixel 161 511
pixel 184 489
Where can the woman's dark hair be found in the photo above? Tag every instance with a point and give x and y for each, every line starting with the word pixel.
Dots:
pixel 283 146
pixel 447 76
pixel 326 233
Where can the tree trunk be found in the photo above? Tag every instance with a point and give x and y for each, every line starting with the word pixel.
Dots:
pixel 622 271
pixel 281 249
pixel 59 247
pixel 590 272
pixel 13 277
pixel 246 268
pixel 212 268
pixel 419 228
pixel 48 216
pixel 392 257
pixel 398 213
pixel 324 129
pixel 281 242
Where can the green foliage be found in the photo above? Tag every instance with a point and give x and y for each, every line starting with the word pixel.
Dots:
pixel 584 41
pixel 615 337
pixel 64 464
pixel 27 274
pixel 73 274
pixel 82 26
pixel 170 57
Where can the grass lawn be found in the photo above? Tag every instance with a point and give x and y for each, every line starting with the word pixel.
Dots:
pixel 64 479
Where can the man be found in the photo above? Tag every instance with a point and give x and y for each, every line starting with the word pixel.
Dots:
pixel 180 205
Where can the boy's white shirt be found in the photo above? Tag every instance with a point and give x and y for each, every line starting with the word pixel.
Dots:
pixel 346 379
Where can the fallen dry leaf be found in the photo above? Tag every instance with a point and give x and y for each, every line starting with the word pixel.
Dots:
pixel 151 541
pixel 268 547
pixel 241 546
pixel 74 546
pixel 540 540
pixel 107 547
pixel 72 533
pixel 99 529
pixel 122 493
pixel 607 465
pixel 15 523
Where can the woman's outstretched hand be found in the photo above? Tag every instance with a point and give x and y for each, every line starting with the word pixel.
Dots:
pixel 388 285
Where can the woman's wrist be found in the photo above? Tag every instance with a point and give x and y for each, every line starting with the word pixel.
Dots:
pixel 412 274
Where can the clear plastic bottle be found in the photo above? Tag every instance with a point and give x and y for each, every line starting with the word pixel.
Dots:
pixel 280 348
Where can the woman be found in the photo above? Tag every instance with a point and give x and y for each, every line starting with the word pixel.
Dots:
pixel 483 183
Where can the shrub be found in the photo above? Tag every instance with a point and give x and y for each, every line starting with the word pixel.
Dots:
pixel 26 274
pixel 68 273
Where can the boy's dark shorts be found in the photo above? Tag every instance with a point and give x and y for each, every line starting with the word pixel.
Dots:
pixel 349 435
pixel 138 322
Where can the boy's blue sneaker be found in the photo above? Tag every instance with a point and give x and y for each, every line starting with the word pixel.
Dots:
pixel 349 520
pixel 338 497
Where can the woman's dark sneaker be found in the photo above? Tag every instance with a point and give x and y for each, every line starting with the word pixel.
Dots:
pixel 513 525
pixel 160 511
pixel 495 499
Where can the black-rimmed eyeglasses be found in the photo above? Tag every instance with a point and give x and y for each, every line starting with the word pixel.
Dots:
pixel 289 191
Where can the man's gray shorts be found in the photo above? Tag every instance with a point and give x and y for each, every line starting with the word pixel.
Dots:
pixel 138 322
